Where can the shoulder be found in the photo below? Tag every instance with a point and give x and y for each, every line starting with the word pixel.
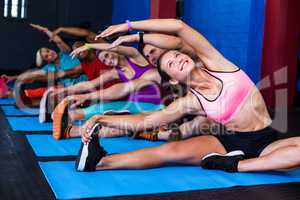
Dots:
pixel 219 63
pixel 151 75
pixel 49 68
pixel 192 103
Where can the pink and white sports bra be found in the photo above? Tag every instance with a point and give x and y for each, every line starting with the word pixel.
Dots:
pixel 236 87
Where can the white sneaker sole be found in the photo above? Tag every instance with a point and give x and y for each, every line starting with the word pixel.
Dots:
pixel 232 153
pixel 42 114
pixel 85 152
pixel 83 157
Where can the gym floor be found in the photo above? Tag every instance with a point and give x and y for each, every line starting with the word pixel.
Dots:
pixel 21 177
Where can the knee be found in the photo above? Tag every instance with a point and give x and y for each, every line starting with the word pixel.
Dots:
pixel 169 150
pixel 296 142
pixel 176 152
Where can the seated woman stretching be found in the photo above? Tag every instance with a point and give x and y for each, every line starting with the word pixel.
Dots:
pixel 60 67
pixel 221 91
pixel 91 66
pixel 162 43
pixel 139 85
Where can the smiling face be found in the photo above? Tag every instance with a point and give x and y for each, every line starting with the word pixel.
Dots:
pixel 109 58
pixel 152 53
pixel 177 65
pixel 48 55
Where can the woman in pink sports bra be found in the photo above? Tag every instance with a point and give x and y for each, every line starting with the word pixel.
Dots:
pixel 218 90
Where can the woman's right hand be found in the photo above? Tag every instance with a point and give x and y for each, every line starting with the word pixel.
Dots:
pixel 39 27
pixel 86 128
pixel 44 30
pixel 59 92
pixel 111 30
pixel 77 100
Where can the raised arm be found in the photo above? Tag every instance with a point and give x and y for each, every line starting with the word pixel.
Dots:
pixel 206 52
pixel 126 51
pixel 163 41
pixel 55 38
pixel 79 32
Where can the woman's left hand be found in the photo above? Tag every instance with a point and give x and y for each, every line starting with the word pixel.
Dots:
pixel 124 39
pixel 77 51
pixel 120 28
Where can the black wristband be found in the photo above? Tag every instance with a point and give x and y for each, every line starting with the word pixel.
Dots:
pixel 141 41
pixel 141 37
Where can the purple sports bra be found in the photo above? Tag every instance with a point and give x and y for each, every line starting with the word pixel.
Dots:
pixel 149 94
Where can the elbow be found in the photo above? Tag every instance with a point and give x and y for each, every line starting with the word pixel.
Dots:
pixel 179 24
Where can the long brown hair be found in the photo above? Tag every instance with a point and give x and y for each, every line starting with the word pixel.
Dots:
pixel 176 91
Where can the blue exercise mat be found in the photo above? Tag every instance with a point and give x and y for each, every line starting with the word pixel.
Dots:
pixel 46 146
pixel 11 110
pixel 8 101
pixel 66 183
pixel 28 124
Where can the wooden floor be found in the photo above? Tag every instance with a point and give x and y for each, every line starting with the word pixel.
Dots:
pixel 21 177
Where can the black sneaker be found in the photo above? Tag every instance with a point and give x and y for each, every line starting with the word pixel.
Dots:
pixel 228 162
pixel 90 154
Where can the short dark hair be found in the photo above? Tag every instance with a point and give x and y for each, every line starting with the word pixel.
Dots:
pixel 79 42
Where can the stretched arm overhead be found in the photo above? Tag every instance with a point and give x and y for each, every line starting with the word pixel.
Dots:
pixel 206 52
pixel 52 37
pixel 123 50
pixel 163 41
pixel 79 32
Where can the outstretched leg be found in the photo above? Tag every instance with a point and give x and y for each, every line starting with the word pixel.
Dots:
pixel 77 114
pixel 280 155
pixel 189 151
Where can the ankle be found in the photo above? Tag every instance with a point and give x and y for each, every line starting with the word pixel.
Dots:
pixel 241 166
pixel 103 162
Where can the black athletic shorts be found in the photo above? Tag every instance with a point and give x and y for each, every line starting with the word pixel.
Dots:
pixel 251 143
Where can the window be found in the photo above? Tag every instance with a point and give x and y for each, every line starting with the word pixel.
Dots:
pixel 15 8
pixel 5 8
